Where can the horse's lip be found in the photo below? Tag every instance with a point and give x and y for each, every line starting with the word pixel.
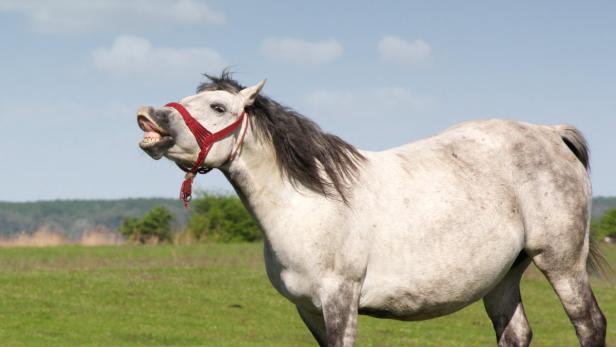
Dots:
pixel 146 123
pixel 156 150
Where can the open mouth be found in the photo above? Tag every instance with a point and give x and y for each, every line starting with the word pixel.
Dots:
pixel 155 140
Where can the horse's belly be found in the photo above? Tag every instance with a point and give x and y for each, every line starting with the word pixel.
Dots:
pixel 415 280
pixel 419 301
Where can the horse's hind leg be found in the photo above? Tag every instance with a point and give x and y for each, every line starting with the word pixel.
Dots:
pixel 555 202
pixel 570 281
pixel 560 252
pixel 504 306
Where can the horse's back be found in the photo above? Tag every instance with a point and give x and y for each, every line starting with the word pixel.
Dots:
pixel 534 162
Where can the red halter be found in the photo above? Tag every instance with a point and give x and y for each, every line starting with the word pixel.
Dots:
pixel 205 140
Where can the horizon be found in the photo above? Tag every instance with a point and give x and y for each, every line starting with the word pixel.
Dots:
pixel 198 194
pixel 383 75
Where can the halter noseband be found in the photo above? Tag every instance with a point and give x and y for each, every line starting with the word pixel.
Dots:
pixel 205 140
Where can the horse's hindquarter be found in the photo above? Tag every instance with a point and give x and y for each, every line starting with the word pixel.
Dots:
pixel 445 224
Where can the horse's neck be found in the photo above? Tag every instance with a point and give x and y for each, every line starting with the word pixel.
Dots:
pixel 258 181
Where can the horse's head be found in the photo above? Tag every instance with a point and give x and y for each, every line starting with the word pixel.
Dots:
pixel 167 132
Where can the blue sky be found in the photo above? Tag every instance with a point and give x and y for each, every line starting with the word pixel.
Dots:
pixel 378 74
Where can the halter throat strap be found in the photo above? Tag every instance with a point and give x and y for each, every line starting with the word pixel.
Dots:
pixel 205 140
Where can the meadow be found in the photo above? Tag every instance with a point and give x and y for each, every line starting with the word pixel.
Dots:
pixel 216 295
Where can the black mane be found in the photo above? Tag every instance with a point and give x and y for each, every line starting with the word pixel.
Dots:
pixel 302 148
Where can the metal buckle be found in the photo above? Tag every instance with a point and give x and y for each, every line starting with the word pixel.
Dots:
pixel 204 170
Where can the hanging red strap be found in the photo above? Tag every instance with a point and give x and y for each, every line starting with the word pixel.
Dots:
pixel 205 140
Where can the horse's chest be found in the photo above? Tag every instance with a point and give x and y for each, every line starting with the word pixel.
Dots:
pixel 291 282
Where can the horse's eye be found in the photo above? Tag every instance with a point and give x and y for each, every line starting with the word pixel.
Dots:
pixel 218 108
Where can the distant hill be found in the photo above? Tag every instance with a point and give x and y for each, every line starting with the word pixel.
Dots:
pixel 601 204
pixel 74 217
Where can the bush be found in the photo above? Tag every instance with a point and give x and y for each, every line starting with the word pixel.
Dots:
pixel 607 226
pixel 153 227
pixel 223 219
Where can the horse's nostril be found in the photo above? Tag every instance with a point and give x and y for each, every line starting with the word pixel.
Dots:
pixel 162 115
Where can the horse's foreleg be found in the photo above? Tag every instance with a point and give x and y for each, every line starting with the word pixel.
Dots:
pixel 504 306
pixel 315 323
pixel 340 301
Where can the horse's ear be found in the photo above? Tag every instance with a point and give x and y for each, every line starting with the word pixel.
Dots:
pixel 250 93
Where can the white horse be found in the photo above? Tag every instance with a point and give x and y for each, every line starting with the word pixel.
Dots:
pixel 411 233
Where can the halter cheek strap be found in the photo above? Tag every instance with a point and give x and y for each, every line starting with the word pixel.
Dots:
pixel 205 140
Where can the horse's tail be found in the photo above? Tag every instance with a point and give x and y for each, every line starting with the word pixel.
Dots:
pixel 597 263
pixel 574 139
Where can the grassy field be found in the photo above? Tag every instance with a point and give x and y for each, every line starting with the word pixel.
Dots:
pixel 215 295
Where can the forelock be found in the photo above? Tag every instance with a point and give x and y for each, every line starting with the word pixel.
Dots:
pixel 223 82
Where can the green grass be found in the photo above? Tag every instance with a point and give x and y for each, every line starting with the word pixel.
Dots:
pixel 215 295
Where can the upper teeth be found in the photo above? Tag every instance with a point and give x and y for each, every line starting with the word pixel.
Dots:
pixel 151 139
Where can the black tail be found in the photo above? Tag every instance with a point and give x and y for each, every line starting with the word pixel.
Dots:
pixel 576 142
pixel 597 264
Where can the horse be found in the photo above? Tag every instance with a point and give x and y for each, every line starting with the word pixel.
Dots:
pixel 410 233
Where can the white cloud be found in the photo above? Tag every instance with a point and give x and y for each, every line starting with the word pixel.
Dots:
pixel 77 16
pixel 136 56
pixel 369 102
pixel 301 52
pixel 407 53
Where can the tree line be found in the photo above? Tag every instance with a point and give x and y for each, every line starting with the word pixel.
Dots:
pixel 73 218
pixel 212 217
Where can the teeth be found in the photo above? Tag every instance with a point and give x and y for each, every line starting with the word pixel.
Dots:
pixel 151 139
